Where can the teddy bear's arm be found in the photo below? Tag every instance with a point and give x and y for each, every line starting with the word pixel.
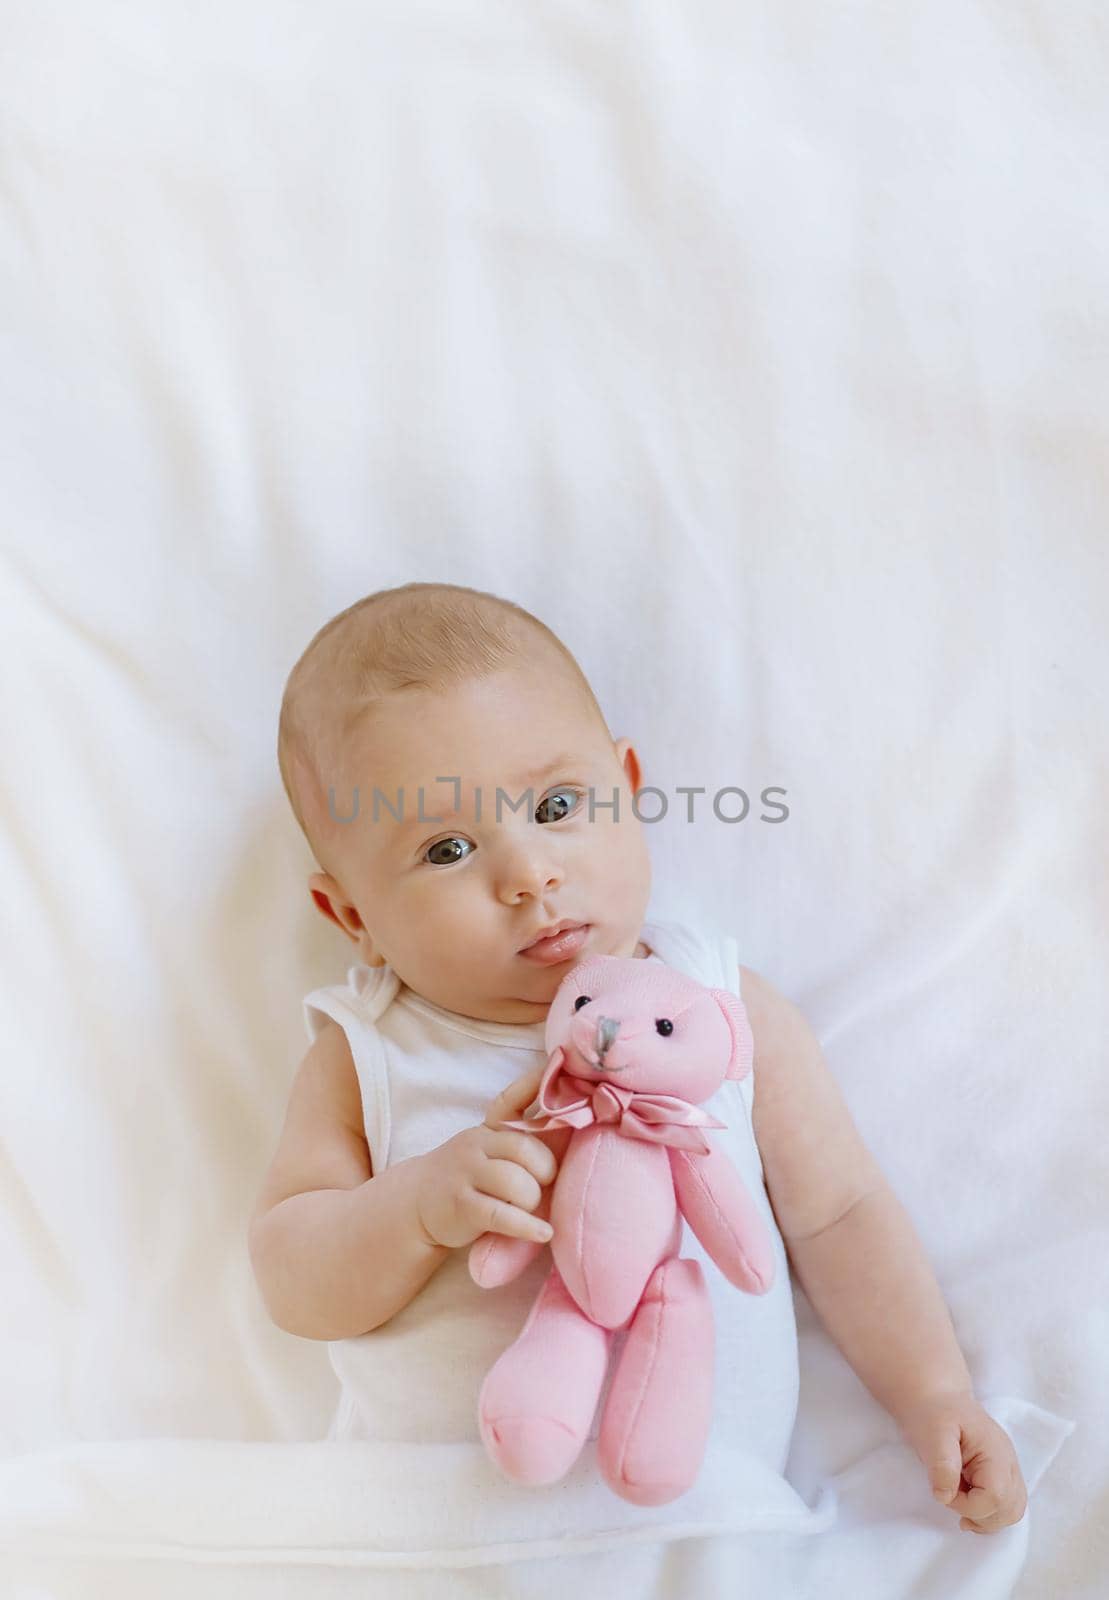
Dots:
pixel 718 1207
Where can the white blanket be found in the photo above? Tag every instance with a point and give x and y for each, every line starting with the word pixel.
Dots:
pixel 760 351
pixel 182 1517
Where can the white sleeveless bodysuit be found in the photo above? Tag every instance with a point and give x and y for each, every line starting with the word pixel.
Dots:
pixel 425 1074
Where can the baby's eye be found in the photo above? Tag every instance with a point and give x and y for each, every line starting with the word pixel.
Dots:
pixel 451 846
pixel 561 809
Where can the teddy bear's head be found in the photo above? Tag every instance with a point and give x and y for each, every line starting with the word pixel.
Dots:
pixel 642 1024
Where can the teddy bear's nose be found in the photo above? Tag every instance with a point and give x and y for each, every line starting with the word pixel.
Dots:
pixel 607 1029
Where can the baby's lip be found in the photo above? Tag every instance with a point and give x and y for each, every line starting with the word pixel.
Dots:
pixel 550 930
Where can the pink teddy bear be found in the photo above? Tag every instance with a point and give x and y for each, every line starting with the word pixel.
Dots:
pixel 623 1037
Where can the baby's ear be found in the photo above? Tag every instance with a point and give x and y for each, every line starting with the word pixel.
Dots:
pixel 743 1042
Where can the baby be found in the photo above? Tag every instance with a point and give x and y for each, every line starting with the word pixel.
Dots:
pixel 472 818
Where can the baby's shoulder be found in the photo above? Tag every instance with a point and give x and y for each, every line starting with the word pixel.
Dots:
pixel 322 1143
pixel 770 1013
pixel 329 1067
pixel 815 1162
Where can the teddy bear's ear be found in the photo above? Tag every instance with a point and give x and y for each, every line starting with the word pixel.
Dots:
pixel 743 1043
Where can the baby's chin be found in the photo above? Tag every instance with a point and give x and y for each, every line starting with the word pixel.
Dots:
pixel 631 946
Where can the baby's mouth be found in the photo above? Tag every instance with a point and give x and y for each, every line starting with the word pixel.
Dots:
pixel 557 948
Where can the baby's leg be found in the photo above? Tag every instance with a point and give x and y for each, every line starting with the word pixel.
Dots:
pixel 659 1406
pixel 537 1402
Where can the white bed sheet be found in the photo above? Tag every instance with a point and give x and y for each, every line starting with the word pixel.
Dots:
pixel 763 352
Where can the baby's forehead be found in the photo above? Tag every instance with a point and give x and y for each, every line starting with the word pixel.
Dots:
pixel 514 744
pixel 515 757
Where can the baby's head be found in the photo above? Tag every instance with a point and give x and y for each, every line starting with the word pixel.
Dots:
pixel 459 692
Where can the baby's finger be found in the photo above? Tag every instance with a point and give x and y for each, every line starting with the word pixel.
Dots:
pixel 976 1503
pixel 500 1217
pixel 1012 1505
pixel 990 1524
pixel 512 1100
pixel 987 1477
pixel 556 1140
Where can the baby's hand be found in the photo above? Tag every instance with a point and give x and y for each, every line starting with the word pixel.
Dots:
pixel 488 1179
pixel 970 1460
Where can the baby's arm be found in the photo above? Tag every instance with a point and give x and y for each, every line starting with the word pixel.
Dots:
pixel 338 1251
pixel 335 1250
pixel 849 1239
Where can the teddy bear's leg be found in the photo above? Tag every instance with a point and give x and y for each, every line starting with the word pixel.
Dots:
pixel 539 1397
pixel 656 1419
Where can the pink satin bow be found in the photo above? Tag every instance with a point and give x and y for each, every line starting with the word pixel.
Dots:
pixel 659 1118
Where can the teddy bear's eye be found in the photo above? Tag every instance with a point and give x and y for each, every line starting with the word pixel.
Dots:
pixel 664 1026
pixel 582 1000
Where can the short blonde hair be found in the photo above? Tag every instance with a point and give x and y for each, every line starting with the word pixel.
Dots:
pixel 415 636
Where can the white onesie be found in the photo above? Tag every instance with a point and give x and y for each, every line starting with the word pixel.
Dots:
pixel 425 1074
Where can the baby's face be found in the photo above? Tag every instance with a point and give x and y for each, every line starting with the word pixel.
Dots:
pixel 451 903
